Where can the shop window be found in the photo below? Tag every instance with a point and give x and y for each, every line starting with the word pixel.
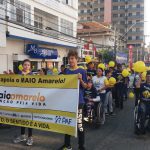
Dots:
pixel 49 65
pixel 65 61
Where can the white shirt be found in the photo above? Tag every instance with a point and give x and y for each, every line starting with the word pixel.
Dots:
pixel 99 83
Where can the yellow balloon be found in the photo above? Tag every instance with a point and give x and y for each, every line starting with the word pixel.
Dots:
pixel 143 76
pixel 20 67
pixel 88 59
pixel 106 82
pixel 131 95
pixel 111 64
pixel 112 81
pixel 102 66
pixel 139 66
pixel 125 73
pixel 55 71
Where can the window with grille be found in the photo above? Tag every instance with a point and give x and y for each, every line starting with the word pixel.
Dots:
pixel 38 22
pixel 67 27
pixel 1 2
pixel 68 2
pixel 20 12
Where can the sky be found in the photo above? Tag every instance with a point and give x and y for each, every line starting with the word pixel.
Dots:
pixel 147 23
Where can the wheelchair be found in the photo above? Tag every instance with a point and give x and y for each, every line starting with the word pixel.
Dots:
pixel 94 111
pixel 138 119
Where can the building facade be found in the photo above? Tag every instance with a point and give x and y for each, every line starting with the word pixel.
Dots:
pixel 123 15
pixel 37 29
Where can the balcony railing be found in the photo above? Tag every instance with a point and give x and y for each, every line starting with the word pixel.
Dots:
pixel 25 23
pixel 136 17
pixel 135 9
pixel 136 33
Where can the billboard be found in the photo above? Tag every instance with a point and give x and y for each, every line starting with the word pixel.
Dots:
pixel 122 57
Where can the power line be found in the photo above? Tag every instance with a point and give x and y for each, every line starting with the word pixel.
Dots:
pixel 33 21
pixel 33 14
pixel 47 35
pixel 33 27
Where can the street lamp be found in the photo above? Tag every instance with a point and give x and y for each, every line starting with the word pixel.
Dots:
pixel 123 36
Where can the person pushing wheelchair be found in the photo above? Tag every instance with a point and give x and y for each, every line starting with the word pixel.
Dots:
pixel 143 107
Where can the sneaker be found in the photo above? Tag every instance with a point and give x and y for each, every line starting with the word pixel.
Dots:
pixel 65 148
pixel 107 114
pixel 30 141
pixel 86 119
pixel 19 139
pixel 112 114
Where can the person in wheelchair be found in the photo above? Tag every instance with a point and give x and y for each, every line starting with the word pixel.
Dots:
pixel 90 93
pixel 143 107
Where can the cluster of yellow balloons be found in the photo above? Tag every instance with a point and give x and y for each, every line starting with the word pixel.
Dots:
pixel 139 67
pixel 110 82
pixel 110 64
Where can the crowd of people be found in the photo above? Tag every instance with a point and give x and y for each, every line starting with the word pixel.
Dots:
pixel 94 83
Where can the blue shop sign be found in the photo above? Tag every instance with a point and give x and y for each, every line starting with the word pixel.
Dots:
pixel 39 52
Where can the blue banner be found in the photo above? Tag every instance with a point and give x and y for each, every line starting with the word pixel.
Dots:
pixel 121 57
pixel 39 52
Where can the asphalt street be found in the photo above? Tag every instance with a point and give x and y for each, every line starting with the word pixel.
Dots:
pixel 116 134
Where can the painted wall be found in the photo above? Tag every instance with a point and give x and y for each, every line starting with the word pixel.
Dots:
pixel 107 11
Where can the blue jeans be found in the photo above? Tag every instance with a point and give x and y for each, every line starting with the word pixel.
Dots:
pixel 103 98
pixel 108 102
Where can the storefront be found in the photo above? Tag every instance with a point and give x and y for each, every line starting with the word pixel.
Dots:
pixel 41 55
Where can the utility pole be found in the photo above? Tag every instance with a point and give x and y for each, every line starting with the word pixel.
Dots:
pixel 115 43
